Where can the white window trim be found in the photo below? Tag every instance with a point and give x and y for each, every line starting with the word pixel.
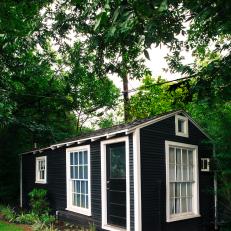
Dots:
pixel 208 165
pixel 70 207
pixel 37 180
pixel 105 225
pixel 185 119
pixel 195 201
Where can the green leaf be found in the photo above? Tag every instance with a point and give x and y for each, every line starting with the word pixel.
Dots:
pixel 146 54
pixel 163 5
pixel 116 14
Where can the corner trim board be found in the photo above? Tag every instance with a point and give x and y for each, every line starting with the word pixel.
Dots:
pixel 21 181
pixel 137 180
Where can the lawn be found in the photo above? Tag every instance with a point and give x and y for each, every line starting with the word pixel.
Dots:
pixel 9 227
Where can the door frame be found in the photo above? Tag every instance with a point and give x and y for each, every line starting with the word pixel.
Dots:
pixel 103 144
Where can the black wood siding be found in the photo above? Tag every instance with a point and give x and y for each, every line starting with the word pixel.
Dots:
pixel 153 178
pixel 56 183
pixel 56 177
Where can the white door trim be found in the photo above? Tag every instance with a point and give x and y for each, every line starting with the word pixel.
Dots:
pixel 104 180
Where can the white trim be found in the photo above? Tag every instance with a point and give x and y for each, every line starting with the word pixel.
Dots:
pixel 70 207
pixel 195 200
pixel 185 133
pixel 215 193
pixel 203 160
pixel 104 180
pixel 37 180
pixel 137 180
pixel 126 131
pixel 21 181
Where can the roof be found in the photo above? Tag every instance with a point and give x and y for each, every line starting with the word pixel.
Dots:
pixel 126 128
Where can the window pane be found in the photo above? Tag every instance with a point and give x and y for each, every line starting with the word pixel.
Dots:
pixel 76 158
pixel 117 162
pixel 71 158
pixel 82 200
pixel 80 172
pixel 189 189
pixel 172 189
pixel 185 173
pixel 85 157
pixel 73 198
pixel 172 155
pixel 73 186
pixel 80 157
pixel 178 156
pixel 172 206
pixel 87 201
pixel 86 187
pixel 183 189
pixel 181 125
pixel 183 205
pixel 190 172
pixel 85 172
pixel 190 157
pixel 177 205
pixel 177 194
pixel 189 204
pixel 78 200
pixel 184 156
pixel 72 172
pixel 178 172
pixel 78 186
pixel 172 172
pixel 82 187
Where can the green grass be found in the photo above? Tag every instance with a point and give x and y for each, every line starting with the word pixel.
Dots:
pixel 9 227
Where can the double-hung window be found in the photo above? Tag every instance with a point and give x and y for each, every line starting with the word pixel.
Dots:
pixel 41 170
pixel 181 181
pixel 78 180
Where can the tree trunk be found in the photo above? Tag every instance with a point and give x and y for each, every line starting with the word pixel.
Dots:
pixel 126 98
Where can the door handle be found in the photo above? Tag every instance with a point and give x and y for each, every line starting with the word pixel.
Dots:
pixel 108 182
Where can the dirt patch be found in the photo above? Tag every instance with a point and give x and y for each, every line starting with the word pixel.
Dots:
pixel 26 227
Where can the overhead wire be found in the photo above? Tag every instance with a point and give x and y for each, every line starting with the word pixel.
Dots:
pixel 122 93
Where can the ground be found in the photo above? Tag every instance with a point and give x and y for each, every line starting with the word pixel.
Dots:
pixel 4 226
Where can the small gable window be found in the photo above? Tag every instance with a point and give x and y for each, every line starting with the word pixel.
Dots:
pixel 181 125
pixel 205 164
pixel 41 170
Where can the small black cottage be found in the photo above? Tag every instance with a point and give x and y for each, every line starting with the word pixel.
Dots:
pixel 151 174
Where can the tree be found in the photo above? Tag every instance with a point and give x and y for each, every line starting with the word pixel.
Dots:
pixel 41 92
pixel 154 97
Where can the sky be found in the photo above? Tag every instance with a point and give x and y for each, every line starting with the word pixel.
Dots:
pixel 157 64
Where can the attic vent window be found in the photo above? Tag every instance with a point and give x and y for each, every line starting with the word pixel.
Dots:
pixel 205 164
pixel 181 125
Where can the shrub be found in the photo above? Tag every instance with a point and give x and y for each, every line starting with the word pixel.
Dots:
pixel 38 201
pixel 27 218
pixel 92 227
pixel 47 219
pixel 8 213
pixel 41 226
